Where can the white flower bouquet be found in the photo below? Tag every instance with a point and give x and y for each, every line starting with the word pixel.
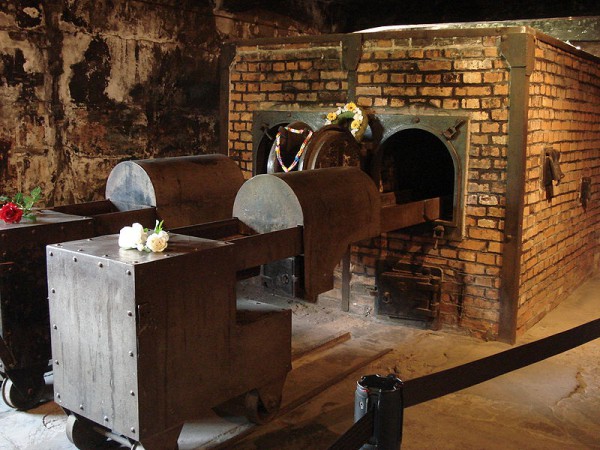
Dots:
pixel 140 238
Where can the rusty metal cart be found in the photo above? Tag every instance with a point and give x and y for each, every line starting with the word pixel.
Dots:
pixel 137 191
pixel 144 342
pixel 24 330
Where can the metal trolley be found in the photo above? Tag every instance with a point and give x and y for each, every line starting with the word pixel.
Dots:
pixel 197 189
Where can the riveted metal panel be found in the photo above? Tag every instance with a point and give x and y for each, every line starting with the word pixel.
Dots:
pixel 137 337
pixel 94 347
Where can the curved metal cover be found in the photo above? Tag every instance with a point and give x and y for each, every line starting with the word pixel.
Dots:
pixel 185 190
pixel 336 206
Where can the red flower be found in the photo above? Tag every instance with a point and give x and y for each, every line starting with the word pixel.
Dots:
pixel 11 213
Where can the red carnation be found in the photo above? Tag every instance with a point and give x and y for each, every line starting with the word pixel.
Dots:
pixel 11 213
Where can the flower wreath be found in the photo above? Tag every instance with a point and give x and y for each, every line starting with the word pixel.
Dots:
pixel 352 114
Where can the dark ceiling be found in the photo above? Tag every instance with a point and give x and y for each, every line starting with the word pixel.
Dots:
pixel 353 15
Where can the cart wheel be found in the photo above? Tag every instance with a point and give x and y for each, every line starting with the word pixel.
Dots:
pixel 81 433
pixel 16 398
pixel 257 411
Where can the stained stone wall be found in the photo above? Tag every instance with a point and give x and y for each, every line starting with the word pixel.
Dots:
pixel 86 84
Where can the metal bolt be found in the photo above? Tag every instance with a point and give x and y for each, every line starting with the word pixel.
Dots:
pixel 53 290
pixel 57 395
pixel 81 407
pixel 56 362
pixel 74 259
pixel 51 254
pixel 55 327
pixel 130 353
pixel 106 418
pixel 128 272
pixel 100 265
pixel 132 393
pixel 129 313
pixel 132 430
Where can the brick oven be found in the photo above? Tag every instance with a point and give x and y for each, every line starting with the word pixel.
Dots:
pixel 503 124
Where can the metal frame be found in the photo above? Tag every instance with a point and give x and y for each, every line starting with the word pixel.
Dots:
pixel 384 123
pixel 518 49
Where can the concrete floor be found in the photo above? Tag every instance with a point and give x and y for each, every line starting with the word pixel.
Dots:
pixel 554 404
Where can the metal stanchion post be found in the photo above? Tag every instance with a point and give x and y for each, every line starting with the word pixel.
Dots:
pixel 383 395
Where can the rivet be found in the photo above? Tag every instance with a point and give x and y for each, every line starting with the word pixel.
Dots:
pixel 132 393
pixel 51 254
pixel 79 249
pixel 129 313
pixel 106 418
pixel 55 327
pixel 105 256
pixel 131 353
pixel 53 290
pixel 74 259
pixel 100 265
pixel 81 407
pixel 56 362
pixel 132 430
pixel 128 272
pixel 57 395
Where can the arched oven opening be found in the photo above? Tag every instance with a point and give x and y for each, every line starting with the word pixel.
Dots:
pixel 414 164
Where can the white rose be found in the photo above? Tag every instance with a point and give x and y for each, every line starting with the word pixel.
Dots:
pixel 157 242
pixel 132 237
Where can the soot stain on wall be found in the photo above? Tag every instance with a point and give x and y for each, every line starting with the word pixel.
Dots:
pixel 86 84
pixel 90 76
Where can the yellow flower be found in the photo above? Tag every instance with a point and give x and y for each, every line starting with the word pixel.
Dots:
pixel 351 106
pixel 355 125
pixel 331 116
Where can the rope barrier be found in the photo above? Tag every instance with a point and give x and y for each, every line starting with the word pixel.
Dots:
pixel 435 385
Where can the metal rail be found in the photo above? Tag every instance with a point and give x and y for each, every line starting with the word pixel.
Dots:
pixel 435 385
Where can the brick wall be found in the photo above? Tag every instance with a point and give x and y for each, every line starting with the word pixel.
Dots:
pixel 463 72
pixel 296 75
pixel 560 237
